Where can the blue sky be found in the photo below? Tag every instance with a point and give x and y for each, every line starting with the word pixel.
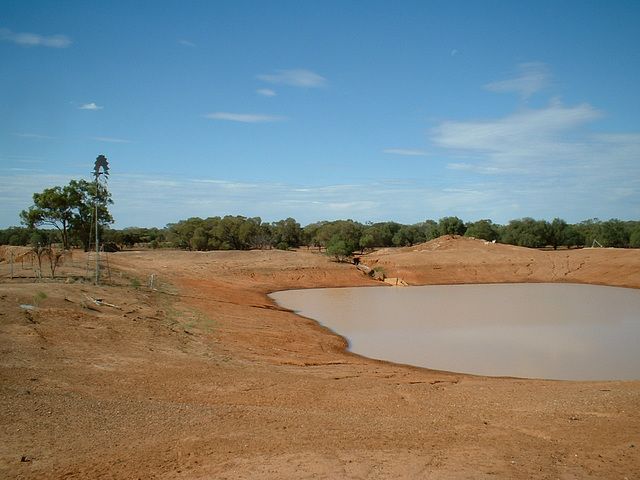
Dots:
pixel 323 110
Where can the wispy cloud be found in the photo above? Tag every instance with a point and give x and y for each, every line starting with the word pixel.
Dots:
pixel 33 135
pixel 111 140
pixel 34 39
pixel 187 43
pixel 402 151
pixel 25 170
pixel 266 92
pixel 546 160
pixel 90 106
pixel 606 191
pixel 530 78
pixel 296 78
pixel 245 117
pixel 517 140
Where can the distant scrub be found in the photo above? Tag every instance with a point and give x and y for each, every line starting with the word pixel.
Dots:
pixel 342 238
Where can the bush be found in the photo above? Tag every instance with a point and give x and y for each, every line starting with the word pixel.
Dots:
pixel 110 247
pixel 340 248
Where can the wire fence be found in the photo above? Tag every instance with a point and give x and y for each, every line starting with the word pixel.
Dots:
pixel 46 263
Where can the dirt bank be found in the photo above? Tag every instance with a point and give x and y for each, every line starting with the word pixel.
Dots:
pixel 206 378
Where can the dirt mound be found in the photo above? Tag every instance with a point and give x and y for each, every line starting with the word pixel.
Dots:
pixel 449 242
pixel 455 260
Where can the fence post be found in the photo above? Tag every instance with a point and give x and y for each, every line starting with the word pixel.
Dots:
pixel 11 257
pixel 153 278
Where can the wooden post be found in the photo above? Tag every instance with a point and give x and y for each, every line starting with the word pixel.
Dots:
pixel 11 257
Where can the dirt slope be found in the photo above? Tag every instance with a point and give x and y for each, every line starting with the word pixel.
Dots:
pixel 454 260
pixel 206 378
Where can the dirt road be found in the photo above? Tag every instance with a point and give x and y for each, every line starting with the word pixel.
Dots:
pixel 206 378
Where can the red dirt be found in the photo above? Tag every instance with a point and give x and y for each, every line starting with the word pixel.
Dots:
pixel 206 377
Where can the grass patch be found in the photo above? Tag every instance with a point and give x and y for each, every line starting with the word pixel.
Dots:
pixel 200 321
pixel 164 287
pixel 190 319
pixel 39 297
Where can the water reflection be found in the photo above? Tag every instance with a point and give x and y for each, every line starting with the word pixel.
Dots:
pixel 560 331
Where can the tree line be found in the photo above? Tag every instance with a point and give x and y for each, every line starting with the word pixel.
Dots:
pixel 349 236
pixel 343 236
pixel 70 213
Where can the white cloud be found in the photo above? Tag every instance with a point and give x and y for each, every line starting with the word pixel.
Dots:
pixel 90 106
pixel 245 117
pixel 632 138
pixel 401 151
pixel 295 77
pixel 187 43
pixel 596 187
pixel 33 135
pixel 531 77
pixel 545 163
pixel 517 139
pixel 111 140
pixel 137 196
pixel 34 40
pixel 266 92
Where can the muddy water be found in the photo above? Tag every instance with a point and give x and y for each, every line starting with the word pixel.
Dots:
pixel 556 331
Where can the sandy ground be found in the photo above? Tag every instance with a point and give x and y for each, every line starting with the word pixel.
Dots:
pixel 206 378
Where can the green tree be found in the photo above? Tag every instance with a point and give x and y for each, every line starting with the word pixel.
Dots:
pixel 634 237
pixel 367 240
pixel 483 229
pixel 340 248
pixel 199 240
pixel 237 233
pixel 429 229
pixel 559 233
pixel 407 236
pixel 85 195
pixel 323 232
pixel 572 237
pixel 288 232
pixel 70 209
pixel 311 234
pixel 39 238
pixel 527 232
pixel 615 233
pixel 21 236
pixel 179 234
pixel 385 233
pixel 451 226
pixel 351 231
pixel 54 206
pixel 590 231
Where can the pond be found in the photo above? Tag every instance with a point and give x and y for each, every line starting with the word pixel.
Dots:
pixel 553 331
